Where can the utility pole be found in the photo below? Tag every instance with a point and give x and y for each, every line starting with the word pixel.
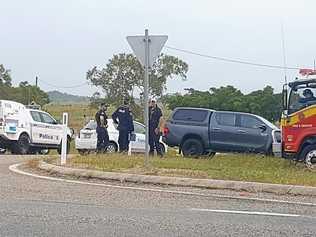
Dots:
pixel 146 118
pixel 36 81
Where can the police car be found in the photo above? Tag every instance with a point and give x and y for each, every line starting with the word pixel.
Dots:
pixel 86 141
pixel 28 130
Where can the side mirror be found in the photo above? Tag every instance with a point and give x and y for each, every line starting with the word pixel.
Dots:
pixel 57 122
pixel 284 97
pixel 263 127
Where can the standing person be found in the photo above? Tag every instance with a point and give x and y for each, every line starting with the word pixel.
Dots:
pixel 102 124
pixel 155 115
pixel 124 119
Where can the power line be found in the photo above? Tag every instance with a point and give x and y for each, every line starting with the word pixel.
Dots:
pixel 232 60
pixel 63 87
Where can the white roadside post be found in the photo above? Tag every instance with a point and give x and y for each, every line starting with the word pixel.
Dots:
pixel 63 157
pixel 147 48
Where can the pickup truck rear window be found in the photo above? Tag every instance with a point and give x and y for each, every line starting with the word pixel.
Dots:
pixel 190 115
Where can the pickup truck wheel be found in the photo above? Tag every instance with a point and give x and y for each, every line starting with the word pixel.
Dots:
pixel 22 147
pixel 192 147
pixel 309 156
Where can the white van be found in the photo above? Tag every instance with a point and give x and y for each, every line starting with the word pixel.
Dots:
pixel 26 130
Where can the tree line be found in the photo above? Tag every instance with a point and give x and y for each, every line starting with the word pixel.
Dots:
pixel 24 93
pixel 263 102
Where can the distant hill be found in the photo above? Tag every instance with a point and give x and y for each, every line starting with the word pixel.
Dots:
pixel 57 97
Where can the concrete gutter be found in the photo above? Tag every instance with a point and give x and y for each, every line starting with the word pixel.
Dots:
pixel 178 181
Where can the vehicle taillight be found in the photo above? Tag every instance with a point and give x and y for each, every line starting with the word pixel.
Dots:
pixel 165 131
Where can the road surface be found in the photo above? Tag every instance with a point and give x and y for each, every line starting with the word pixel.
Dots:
pixel 36 207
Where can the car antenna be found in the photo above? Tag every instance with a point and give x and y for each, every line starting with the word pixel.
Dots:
pixel 284 55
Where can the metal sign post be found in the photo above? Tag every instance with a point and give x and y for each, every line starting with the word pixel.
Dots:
pixel 63 157
pixel 147 48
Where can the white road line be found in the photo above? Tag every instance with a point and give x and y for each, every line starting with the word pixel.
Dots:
pixel 246 212
pixel 14 168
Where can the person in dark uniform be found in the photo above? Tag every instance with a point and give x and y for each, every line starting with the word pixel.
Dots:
pixel 102 124
pixel 124 119
pixel 155 115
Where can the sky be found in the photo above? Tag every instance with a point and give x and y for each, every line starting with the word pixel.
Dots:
pixel 60 40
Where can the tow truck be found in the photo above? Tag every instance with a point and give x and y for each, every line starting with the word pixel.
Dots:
pixel 298 121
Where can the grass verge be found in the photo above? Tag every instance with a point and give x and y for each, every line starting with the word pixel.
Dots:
pixel 226 167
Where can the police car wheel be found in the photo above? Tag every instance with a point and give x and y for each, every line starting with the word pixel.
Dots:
pixel 112 147
pixel 23 145
pixel 43 152
pixel 83 152
pixel 2 150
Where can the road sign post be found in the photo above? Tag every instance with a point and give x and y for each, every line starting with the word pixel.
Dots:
pixel 146 112
pixel 147 48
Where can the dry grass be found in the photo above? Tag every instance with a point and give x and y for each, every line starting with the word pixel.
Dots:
pixel 33 163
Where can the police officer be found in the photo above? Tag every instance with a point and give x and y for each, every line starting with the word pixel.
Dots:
pixel 155 115
pixel 124 119
pixel 102 124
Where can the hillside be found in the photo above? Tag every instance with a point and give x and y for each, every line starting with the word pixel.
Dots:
pixel 57 97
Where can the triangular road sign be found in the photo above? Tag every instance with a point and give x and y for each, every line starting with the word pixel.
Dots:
pixel 156 43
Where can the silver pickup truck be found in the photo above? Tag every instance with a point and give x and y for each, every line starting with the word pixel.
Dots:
pixel 198 131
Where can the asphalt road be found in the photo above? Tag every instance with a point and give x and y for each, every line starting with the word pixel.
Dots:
pixel 35 207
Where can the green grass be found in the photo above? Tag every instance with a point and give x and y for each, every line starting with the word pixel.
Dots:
pixel 226 167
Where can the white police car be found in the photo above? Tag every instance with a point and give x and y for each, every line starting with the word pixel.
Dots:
pixel 28 130
pixel 86 141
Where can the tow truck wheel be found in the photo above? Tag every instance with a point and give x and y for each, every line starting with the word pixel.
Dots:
pixel 309 156
pixel 23 145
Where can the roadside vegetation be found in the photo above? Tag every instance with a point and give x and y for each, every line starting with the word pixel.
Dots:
pixel 239 167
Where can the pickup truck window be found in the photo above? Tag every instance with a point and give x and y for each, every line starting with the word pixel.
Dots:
pixel 247 121
pixel 226 119
pixel 36 116
pixel 190 115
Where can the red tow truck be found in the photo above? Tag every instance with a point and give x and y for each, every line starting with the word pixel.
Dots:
pixel 298 122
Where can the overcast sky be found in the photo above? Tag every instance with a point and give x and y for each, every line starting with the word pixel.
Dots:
pixel 59 40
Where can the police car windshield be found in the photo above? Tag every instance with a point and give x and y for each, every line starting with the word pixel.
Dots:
pixel 301 96
pixel 92 125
